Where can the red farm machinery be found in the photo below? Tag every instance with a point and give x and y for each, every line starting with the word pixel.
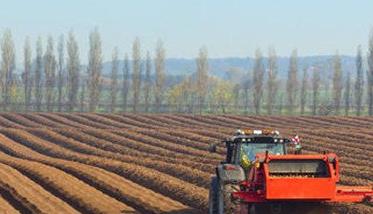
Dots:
pixel 260 175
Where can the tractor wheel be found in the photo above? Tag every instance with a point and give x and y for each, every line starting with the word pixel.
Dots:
pixel 213 196
pixel 226 204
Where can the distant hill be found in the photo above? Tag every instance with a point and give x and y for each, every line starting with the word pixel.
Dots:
pixel 234 66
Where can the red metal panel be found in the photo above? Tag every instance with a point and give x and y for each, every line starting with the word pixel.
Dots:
pixel 300 188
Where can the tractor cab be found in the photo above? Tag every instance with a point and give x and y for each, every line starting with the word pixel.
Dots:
pixel 243 147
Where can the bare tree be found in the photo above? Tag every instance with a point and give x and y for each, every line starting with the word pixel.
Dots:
pixel 292 82
pixel 202 77
pixel 272 83
pixel 136 73
pixel 61 75
pixel 359 83
pixel 94 69
pixel 50 73
pixel 27 74
pixel 235 95
pixel 315 89
pixel 258 81
pixel 347 93
pixel 73 70
pixel 38 74
pixel 159 74
pixel 125 88
pixel 114 80
pixel 82 95
pixel 337 83
pixel 303 92
pixel 7 66
pixel 147 83
pixel 246 90
pixel 370 75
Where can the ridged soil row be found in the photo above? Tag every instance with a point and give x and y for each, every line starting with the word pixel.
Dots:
pixel 159 121
pixel 5 123
pixel 344 137
pixel 42 120
pixel 103 120
pixel 207 120
pixel 76 193
pixel 58 119
pixel 171 146
pixel 172 187
pixel 166 121
pixel 174 168
pixel 193 123
pixel 349 121
pixel 84 121
pixel 130 193
pixel 336 122
pixel 126 120
pixel 132 148
pixel 162 134
pixel 17 118
pixel 254 123
pixel 187 137
pixel 117 138
pixel 238 124
pixel 341 147
pixel 9 205
pixel 32 197
pixel 155 120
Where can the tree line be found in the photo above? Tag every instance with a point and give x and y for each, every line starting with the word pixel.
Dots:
pixel 55 80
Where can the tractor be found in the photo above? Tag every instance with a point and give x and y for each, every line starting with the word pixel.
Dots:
pixel 265 173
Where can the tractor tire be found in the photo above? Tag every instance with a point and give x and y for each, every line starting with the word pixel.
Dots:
pixel 220 201
pixel 213 196
pixel 230 207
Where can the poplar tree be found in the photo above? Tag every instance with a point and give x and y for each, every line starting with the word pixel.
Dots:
pixel 315 89
pixel 73 70
pixel 136 73
pixel 370 75
pixel 82 96
pixel 61 73
pixel 272 83
pixel 7 67
pixel 303 93
pixel 147 83
pixel 202 77
pixel 114 80
pixel 258 81
pixel 38 74
pixel 359 82
pixel 126 82
pixel 27 80
pixel 94 70
pixel 337 83
pixel 347 93
pixel 50 74
pixel 159 75
pixel 292 82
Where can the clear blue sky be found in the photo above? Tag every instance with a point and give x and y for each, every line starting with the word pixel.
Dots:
pixel 226 28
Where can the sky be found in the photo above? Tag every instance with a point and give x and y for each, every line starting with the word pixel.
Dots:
pixel 234 28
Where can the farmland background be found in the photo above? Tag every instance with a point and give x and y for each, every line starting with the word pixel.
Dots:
pixel 148 163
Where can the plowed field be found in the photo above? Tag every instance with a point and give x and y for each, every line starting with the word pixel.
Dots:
pixel 149 163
